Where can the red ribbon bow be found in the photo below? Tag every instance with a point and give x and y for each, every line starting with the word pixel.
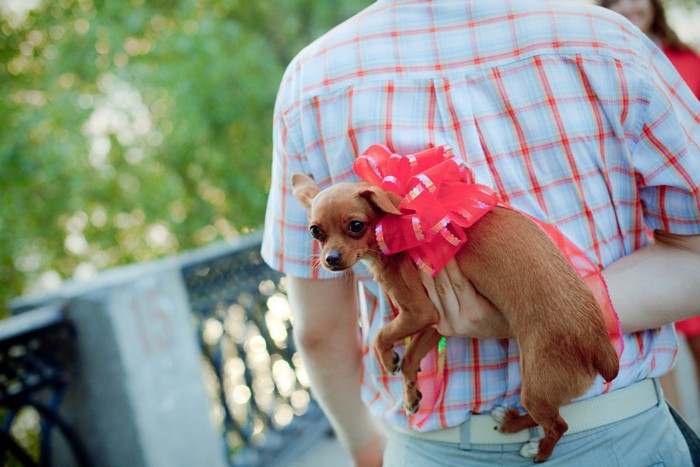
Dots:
pixel 438 202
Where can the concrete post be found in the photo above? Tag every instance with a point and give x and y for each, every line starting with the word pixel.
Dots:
pixel 136 396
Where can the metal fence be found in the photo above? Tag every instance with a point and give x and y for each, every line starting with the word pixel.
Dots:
pixel 253 372
pixel 35 350
pixel 253 375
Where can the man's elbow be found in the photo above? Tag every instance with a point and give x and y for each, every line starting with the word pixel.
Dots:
pixel 687 243
pixel 309 340
pixel 316 342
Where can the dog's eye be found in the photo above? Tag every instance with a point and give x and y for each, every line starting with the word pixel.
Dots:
pixel 356 228
pixel 316 232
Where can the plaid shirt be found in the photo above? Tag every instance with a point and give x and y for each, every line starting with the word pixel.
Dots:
pixel 566 110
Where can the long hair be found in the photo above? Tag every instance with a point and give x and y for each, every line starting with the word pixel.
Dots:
pixel 659 26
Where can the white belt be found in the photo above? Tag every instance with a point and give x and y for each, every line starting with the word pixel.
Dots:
pixel 580 416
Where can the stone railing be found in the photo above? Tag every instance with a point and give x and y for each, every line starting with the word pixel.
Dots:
pixel 184 361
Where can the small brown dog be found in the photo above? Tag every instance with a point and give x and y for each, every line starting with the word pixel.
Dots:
pixel 554 316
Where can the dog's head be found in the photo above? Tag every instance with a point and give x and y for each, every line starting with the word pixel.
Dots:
pixel 342 218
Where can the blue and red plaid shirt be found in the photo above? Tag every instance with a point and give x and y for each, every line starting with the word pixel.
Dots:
pixel 566 110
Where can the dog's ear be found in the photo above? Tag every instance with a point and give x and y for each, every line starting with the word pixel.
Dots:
pixel 384 201
pixel 304 189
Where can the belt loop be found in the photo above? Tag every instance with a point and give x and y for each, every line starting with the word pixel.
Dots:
pixel 659 391
pixel 465 435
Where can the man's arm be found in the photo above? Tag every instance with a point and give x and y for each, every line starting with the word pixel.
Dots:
pixel 654 286
pixel 657 284
pixel 326 332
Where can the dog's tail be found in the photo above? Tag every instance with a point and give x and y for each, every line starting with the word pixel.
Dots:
pixel 605 361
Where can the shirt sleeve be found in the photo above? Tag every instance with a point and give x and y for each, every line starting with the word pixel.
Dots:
pixel 285 218
pixel 287 245
pixel 666 156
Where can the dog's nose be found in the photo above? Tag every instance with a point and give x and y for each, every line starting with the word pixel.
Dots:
pixel 333 259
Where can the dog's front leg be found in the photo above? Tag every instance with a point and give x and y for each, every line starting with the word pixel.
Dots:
pixel 416 313
pixel 401 282
pixel 410 366
pixel 403 326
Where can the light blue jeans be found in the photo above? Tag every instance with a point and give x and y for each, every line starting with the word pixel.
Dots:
pixel 651 438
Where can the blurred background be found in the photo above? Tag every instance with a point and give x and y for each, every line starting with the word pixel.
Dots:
pixel 136 130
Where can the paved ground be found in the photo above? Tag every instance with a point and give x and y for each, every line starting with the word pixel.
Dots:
pixel 326 453
pixel 329 453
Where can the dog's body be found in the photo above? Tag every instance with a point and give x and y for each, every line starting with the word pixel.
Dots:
pixel 552 314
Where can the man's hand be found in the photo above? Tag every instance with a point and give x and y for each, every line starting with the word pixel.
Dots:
pixel 371 454
pixel 463 311
pixel 672 264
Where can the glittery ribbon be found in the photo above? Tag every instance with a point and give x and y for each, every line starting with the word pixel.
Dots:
pixel 438 202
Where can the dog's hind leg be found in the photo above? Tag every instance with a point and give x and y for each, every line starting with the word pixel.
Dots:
pixel 512 421
pixel 552 434
pixel 547 416
pixel 410 366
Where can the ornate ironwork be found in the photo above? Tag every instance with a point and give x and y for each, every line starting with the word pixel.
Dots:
pixel 260 393
pixel 34 349
pixel 260 389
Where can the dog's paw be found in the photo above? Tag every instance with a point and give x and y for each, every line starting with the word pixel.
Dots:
pixel 507 419
pixel 395 364
pixel 531 448
pixel 411 405
pixel 498 414
pixel 390 360
pixel 513 422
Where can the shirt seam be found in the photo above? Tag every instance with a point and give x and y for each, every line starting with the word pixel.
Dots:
pixel 463 74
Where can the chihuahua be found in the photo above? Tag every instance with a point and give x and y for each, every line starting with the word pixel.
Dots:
pixel 552 314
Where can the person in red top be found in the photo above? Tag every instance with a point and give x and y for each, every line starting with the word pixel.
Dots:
pixel 650 17
pixel 687 62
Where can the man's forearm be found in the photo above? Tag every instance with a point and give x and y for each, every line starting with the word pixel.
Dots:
pixel 326 332
pixel 657 284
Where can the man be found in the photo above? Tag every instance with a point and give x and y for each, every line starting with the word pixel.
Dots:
pixel 572 116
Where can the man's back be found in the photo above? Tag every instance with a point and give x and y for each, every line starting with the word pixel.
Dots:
pixel 554 105
pixel 403 40
pixel 495 80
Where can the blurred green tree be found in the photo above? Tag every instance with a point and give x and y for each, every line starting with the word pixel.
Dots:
pixel 131 130
pixel 137 129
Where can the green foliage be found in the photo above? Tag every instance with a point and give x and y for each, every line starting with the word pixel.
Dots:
pixel 131 130
pixel 689 4
pixel 136 129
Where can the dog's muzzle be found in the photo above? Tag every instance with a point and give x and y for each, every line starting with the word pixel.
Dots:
pixel 334 260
